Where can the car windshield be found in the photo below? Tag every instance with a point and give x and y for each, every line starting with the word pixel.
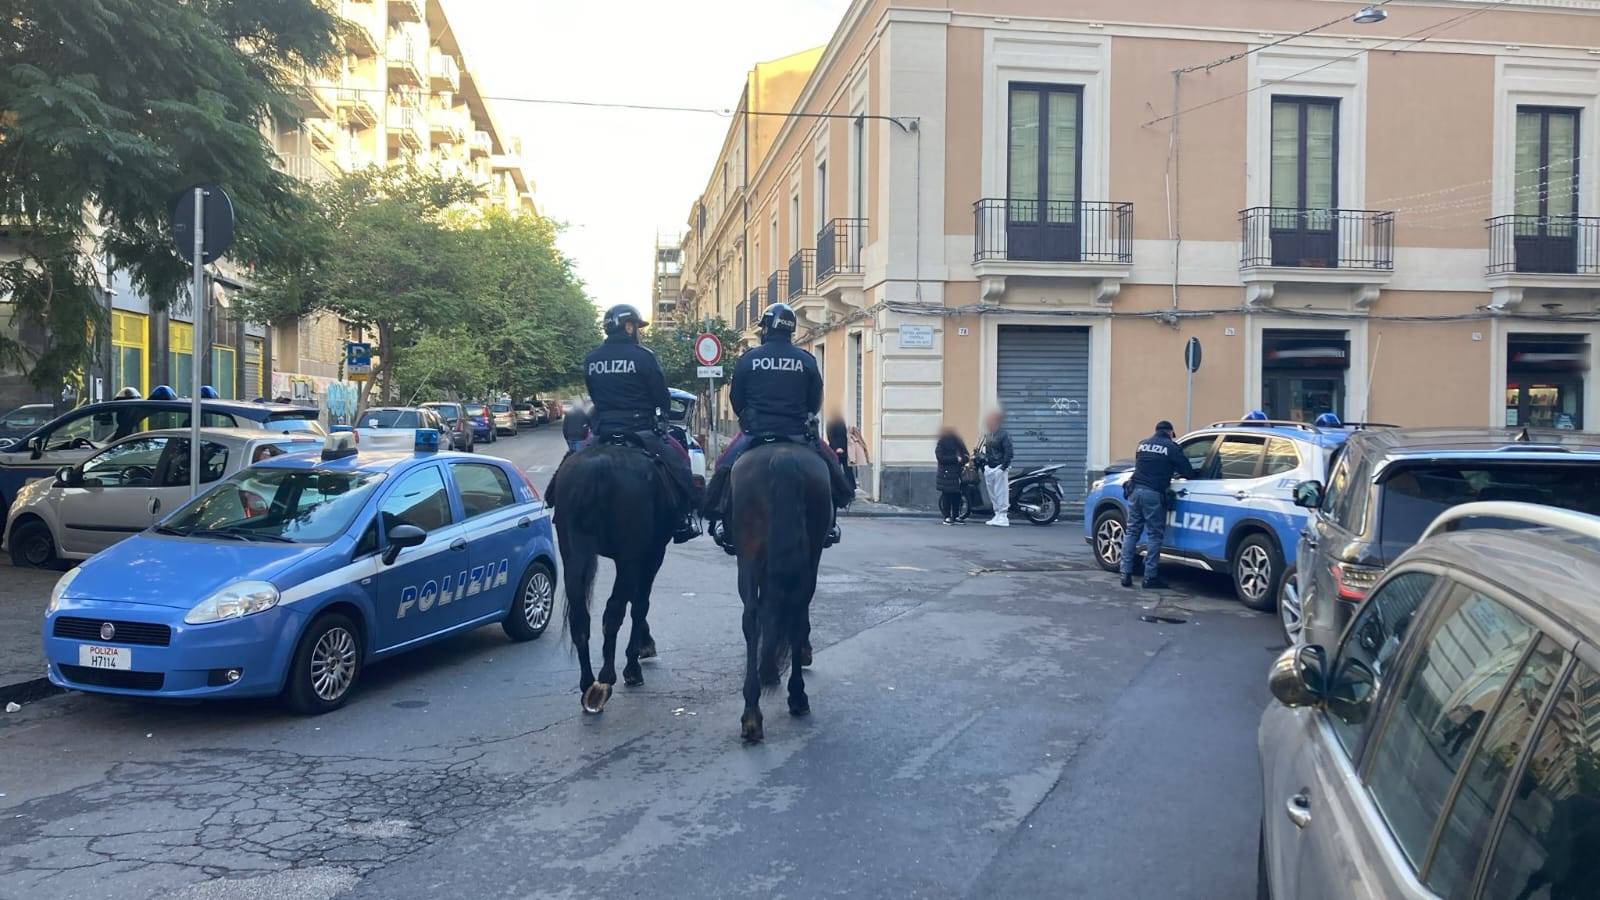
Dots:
pixel 1415 495
pixel 390 418
pixel 271 504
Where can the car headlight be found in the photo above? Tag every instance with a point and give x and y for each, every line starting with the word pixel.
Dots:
pixel 60 589
pixel 242 598
pixel 1097 485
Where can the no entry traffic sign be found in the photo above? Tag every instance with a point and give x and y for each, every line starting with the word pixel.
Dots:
pixel 707 349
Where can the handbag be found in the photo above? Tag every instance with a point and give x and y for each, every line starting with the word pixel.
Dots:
pixel 969 475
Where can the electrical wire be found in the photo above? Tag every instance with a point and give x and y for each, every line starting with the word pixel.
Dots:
pixel 1206 67
pixel 1338 59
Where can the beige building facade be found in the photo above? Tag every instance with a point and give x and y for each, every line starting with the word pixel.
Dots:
pixel 402 93
pixel 992 203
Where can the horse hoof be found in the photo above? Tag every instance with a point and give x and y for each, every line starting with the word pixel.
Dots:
pixel 803 708
pixel 594 699
pixel 805 657
pixel 632 679
pixel 647 651
pixel 750 730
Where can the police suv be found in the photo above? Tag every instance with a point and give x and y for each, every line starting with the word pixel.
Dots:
pixel 289 577
pixel 1237 514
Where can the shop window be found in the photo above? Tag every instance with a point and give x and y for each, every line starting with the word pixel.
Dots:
pixel 180 356
pixel 1545 377
pixel 1303 373
pixel 129 345
pixel 223 376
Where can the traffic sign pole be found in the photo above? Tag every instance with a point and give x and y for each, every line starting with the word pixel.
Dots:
pixel 200 341
pixel 1191 363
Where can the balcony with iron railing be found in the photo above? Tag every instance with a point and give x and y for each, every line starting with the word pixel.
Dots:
pixel 778 286
pixel 402 55
pixel 405 10
pixel 801 266
pixel 405 125
pixel 1338 247
pixel 1087 242
pixel 1550 254
pixel 308 167
pixel 839 250
pixel 755 305
pixel 364 35
pixel 480 143
pixel 358 107
pixel 741 316
pixel 443 70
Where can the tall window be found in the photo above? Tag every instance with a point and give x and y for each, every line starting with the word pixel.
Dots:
pixel 822 193
pixel 129 338
pixel 1546 187
pixel 794 220
pixel 180 356
pixel 1043 171
pixel 1305 180
pixel 223 372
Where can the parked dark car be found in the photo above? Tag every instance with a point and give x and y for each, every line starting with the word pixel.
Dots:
pixel 1445 746
pixel 73 437
pixel 456 422
pixel 1385 486
pixel 24 419
pixel 482 422
pixel 526 413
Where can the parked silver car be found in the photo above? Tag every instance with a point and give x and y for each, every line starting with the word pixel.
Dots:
pixel 1447 746
pixel 126 487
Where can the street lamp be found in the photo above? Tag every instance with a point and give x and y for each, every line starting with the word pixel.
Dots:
pixel 1370 15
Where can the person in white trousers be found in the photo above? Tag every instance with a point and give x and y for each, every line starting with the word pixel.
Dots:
pixel 997 453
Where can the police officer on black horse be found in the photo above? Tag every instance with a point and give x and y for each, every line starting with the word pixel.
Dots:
pixel 776 393
pixel 629 394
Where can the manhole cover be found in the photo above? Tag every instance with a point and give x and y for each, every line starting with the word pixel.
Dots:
pixel 1031 565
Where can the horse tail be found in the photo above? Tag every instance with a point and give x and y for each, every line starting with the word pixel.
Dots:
pixel 788 554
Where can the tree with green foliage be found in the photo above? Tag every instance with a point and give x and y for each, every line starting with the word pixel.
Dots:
pixel 109 108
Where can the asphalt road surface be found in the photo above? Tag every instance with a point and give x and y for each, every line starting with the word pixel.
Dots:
pixel 989 718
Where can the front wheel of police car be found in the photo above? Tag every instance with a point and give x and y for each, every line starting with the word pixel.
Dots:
pixel 534 605
pixel 326 664
pixel 1108 530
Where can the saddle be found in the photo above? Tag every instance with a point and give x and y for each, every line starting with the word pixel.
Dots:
pixel 622 439
pixel 780 438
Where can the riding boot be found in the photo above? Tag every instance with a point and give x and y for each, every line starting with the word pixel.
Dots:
pixel 712 508
pixel 687 529
pixel 834 532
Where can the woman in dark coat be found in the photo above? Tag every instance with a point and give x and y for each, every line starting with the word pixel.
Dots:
pixel 951 454
pixel 839 442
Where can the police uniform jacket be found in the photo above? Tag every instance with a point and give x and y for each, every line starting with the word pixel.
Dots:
pixel 626 386
pixel 1156 461
pixel 776 388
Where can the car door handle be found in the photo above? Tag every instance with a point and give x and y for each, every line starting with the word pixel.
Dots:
pixel 524 522
pixel 1299 810
pixel 458 544
pixel 1182 492
pixel 155 505
pixel 1240 495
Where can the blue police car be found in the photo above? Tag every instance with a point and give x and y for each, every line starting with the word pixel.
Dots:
pixel 290 576
pixel 1238 514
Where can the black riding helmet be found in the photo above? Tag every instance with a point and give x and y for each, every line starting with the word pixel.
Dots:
pixel 778 317
pixel 621 314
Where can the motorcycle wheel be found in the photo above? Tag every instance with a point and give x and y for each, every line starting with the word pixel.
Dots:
pixel 1039 506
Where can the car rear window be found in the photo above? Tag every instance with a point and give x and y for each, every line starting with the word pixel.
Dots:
pixel 501 407
pixel 391 418
pixel 448 413
pixel 1415 495
pixel 475 410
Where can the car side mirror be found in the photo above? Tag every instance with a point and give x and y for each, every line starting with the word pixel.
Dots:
pixel 401 537
pixel 1308 494
pixel 1299 676
pixel 69 476
pixel 35 446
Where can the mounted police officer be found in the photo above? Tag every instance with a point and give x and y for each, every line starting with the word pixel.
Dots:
pixel 776 392
pixel 1156 461
pixel 629 395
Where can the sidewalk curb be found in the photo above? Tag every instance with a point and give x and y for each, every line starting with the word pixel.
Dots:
pixel 28 691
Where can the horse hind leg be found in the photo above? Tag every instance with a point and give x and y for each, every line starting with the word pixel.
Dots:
pixel 580 568
pixel 750 722
pixel 799 656
pixel 595 698
pixel 639 634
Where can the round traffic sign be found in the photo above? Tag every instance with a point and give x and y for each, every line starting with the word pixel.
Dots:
pixel 708 349
pixel 217 209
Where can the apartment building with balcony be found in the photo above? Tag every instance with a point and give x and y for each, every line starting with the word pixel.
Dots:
pixel 990 203
pixel 666 287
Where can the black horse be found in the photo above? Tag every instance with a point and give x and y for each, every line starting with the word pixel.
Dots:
pixel 611 500
pixel 782 506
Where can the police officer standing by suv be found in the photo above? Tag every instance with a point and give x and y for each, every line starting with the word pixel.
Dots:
pixel 1157 460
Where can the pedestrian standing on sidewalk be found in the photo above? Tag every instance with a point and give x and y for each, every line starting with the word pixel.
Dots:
pixel 839 443
pixel 858 454
pixel 1156 461
pixel 950 452
pixel 575 427
pixel 997 454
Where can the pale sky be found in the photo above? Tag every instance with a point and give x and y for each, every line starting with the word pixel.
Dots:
pixel 617 177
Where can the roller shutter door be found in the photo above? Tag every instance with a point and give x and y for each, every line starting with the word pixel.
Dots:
pixel 1043 381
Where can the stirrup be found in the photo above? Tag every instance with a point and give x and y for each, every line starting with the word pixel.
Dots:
pixel 718 529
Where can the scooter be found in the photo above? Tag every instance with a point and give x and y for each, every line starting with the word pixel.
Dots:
pixel 1035 494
